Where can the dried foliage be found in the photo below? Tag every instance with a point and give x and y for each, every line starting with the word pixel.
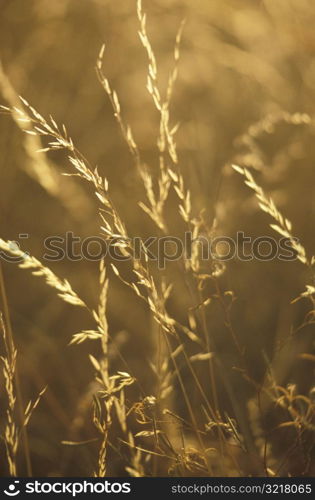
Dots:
pixel 177 383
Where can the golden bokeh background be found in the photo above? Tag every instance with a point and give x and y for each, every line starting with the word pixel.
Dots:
pixel 242 62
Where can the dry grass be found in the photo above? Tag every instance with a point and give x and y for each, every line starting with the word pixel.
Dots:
pixel 177 383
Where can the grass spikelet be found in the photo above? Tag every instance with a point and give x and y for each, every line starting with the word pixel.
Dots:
pixel 283 226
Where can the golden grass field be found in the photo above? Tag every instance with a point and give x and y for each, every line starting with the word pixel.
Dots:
pixel 168 117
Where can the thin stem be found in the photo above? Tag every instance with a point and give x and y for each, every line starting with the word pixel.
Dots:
pixel 6 314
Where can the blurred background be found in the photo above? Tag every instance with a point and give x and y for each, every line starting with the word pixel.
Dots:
pixel 245 93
